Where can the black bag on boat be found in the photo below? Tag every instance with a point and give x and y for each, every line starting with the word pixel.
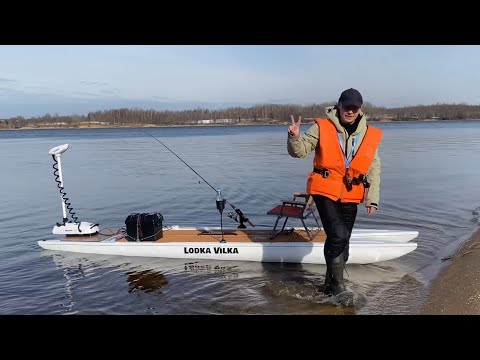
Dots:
pixel 144 227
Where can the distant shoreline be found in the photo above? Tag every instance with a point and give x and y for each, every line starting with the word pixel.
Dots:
pixel 206 125
pixel 129 127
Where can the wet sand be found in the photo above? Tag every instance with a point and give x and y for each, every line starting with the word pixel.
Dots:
pixel 456 291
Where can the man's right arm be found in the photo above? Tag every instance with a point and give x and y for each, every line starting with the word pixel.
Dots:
pixel 301 146
pixel 373 176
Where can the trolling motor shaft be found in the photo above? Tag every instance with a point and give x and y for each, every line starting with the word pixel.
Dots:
pixel 67 227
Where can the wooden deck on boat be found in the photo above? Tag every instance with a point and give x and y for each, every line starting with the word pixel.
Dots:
pixel 236 235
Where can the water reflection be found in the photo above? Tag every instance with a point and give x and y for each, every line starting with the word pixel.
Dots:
pixel 226 271
pixel 174 286
pixel 146 280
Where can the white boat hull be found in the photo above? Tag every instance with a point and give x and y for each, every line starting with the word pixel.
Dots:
pixel 366 246
pixel 384 235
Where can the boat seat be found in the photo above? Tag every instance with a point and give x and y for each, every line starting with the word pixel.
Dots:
pixel 295 209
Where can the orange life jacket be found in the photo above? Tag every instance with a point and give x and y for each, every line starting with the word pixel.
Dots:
pixel 329 156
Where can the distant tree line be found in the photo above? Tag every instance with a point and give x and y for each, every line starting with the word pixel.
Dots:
pixel 259 114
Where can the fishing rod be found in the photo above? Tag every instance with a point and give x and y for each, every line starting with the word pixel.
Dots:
pixel 241 216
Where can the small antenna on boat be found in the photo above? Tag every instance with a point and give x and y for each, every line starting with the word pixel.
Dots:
pixel 67 227
pixel 220 206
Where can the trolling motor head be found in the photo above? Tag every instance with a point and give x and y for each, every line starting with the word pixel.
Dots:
pixel 68 227
pixel 58 150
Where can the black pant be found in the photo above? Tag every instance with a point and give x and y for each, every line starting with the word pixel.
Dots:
pixel 337 219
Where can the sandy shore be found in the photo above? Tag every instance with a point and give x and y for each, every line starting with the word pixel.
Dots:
pixel 456 291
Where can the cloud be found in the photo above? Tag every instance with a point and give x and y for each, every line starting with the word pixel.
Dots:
pixel 93 83
pixel 280 101
pixel 7 80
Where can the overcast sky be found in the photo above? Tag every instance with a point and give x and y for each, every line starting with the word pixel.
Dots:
pixel 77 79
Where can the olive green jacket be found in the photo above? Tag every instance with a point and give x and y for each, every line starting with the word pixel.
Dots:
pixel 302 146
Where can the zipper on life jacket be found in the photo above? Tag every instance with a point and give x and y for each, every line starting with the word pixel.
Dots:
pixel 348 179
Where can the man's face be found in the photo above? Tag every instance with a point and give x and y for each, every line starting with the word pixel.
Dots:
pixel 348 114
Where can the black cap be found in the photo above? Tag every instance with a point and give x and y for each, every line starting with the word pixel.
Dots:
pixel 351 97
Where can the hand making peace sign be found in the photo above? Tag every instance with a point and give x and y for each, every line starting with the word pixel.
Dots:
pixel 294 129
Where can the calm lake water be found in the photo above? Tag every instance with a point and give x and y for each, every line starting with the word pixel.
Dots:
pixel 429 183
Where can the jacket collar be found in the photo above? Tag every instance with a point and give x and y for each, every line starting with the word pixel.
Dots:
pixel 334 114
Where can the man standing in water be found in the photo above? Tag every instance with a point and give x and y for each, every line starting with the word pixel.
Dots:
pixel 346 172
